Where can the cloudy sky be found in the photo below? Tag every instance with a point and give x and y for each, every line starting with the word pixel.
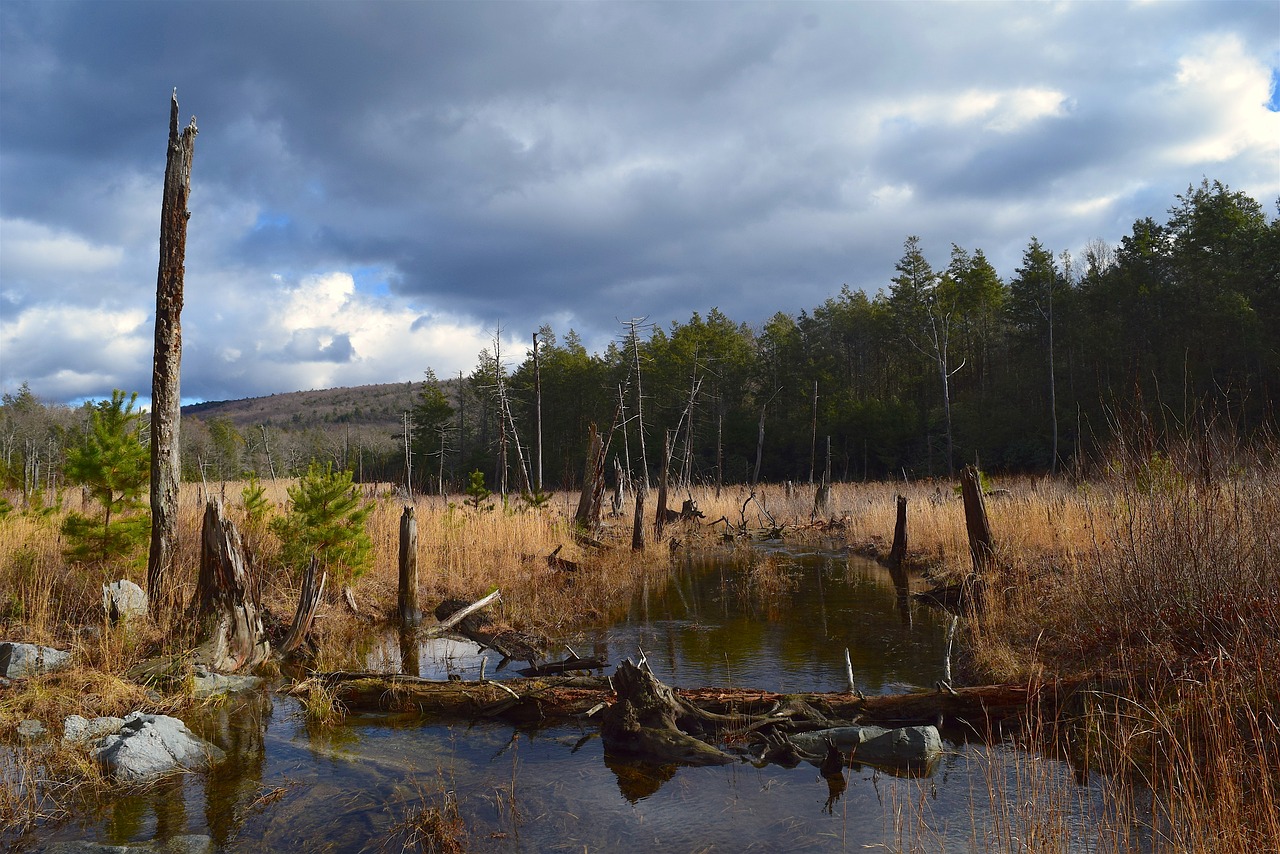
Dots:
pixel 378 186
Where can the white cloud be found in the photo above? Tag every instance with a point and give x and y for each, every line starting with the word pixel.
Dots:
pixel 1219 94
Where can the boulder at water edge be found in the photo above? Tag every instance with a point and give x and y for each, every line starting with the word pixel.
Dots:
pixel 150 745
pixel 908 745
pixel 18 660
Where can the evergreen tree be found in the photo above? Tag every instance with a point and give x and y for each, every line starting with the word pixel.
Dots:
pixel 112 464
pixel 432 419
pixel 326 519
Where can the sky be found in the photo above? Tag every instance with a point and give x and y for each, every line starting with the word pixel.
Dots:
pixel 378 188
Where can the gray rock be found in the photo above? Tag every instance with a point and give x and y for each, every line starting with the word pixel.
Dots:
pixel 30 730
pixel 80 730
pixel 873 744
pixel 150 745
pixel 123 601
pixel 210 684
pixel 26 659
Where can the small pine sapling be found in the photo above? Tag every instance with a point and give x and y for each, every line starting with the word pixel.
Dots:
pixel 113 465
pixel 478 494
pixel 326 518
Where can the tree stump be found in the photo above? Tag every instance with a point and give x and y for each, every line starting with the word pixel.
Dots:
pixel 225 604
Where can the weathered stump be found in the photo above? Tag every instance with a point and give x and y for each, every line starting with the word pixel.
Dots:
pixel 225 604
pixel 650 722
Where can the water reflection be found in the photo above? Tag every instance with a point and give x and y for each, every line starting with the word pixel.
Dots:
pixel 292 785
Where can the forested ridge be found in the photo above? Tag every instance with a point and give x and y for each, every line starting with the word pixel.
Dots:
pixel 1175 330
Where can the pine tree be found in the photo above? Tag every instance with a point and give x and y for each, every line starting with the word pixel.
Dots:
pixel 113 465
pixel 326 519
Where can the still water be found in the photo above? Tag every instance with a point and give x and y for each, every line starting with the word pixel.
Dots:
pixel 289 787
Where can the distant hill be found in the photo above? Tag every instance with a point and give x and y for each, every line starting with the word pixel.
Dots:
pixel 366 405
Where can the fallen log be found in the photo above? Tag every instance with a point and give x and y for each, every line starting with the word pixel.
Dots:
pixel 567 697
pixel 546 698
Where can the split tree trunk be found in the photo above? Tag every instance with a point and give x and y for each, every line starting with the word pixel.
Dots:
pixel 308 602
pixel 226 603
pixel 167 364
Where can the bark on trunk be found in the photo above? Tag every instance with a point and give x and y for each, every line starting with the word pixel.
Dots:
pixel 637 525
pixel 898 552
pixel 167 365
pixel 661 514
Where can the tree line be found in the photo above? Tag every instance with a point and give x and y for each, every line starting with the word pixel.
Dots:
pixel 1174 330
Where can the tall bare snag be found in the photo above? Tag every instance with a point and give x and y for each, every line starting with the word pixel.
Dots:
pixel 167 362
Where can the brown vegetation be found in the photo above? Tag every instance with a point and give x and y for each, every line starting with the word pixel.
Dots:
pixel 1158 585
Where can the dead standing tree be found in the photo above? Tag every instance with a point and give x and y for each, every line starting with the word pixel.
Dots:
pixel 167 363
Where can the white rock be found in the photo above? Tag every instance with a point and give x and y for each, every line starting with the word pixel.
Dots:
pixel 150 745
pixel 123 601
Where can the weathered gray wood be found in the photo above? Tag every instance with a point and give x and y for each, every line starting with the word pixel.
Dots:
pixel 308 601
pixel 225 604
pixel 166 369
pixel 588 514
pixel 408 593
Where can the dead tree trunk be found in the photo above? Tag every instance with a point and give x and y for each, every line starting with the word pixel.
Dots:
pixel 408 598
pixel 308 602
pixel 660 516
pixel 167 364
pixel 588 514
pixel 981 546
pixel 898 552
pixel 225 602
pixel 637 527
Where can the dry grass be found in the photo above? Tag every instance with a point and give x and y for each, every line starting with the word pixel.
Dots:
pixel 1162 587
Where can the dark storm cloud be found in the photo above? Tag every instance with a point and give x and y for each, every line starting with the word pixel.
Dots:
pixel 520 162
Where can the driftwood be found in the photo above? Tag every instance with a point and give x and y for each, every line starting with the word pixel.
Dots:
pixel 571 664
pixel 561 564
pixel 225 604
pixel 455 615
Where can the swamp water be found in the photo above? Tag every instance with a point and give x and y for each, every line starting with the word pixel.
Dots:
pixel 288 786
